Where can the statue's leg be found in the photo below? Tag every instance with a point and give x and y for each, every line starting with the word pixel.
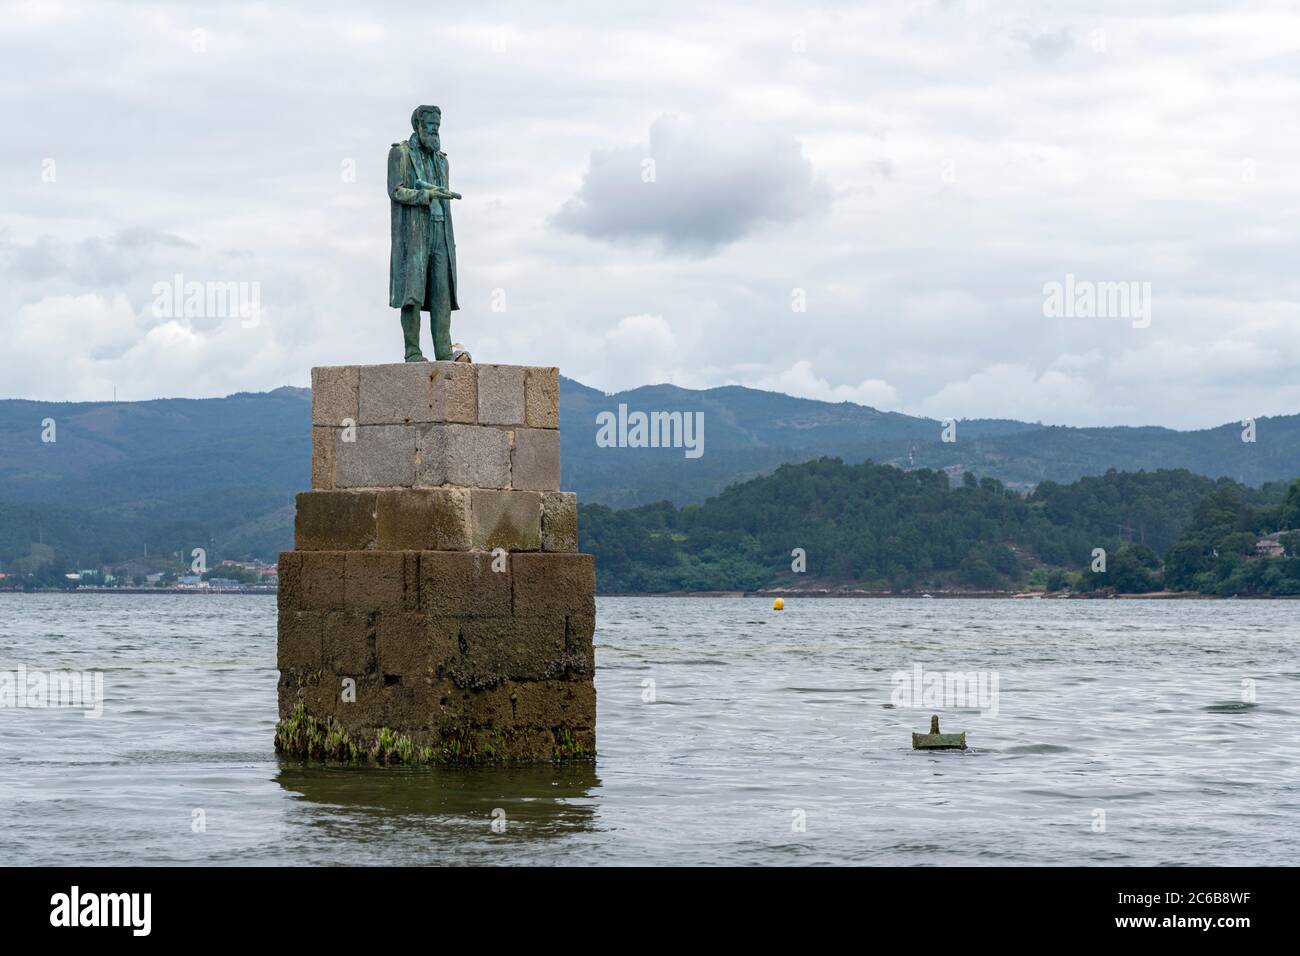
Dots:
pixel 411 332
pixel 442 330
pixel 440 287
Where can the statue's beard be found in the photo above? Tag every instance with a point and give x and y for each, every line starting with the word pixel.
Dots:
pixel 432 143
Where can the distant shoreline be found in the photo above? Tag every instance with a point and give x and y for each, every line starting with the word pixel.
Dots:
pixel 271 592
pixel 937 595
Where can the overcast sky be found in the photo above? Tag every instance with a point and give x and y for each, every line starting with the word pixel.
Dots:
pixel 653 196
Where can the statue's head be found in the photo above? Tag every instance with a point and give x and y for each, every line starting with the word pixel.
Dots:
pixel 425 121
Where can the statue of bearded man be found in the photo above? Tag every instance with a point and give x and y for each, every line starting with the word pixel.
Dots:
pixel 422 266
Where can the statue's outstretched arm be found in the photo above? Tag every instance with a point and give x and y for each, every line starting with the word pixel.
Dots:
pixel 437 192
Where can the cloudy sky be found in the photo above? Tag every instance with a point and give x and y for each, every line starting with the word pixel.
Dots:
pixel 859 202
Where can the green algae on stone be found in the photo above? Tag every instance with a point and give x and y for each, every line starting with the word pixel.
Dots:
pixel 304 737
pixel 935 740
pixel 392 748
pixel 569 748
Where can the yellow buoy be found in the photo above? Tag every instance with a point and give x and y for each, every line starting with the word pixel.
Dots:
pixel 778 604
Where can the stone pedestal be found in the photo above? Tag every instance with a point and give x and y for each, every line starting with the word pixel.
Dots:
pixel 434 608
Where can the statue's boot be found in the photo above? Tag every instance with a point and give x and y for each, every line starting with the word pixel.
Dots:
pixel 440 326
pixel 411 333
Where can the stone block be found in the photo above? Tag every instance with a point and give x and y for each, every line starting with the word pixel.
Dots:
pixel 348 642
pixel 381 701
pixel 520 706
pixel 289 594
pixel 403 646
pixel 554 704
pixel 436 704
pixel 298 648
pixel 309 688
pixel 395 394
pixel 554 647
pixel 367 712
pixel 411 707
pixel 559 521
pixel 505 519
pixel 501 394
pixel 470 456
pixel 322 580
pixel 542 397
pixel 382 456
pixel 535 459
pixel 335 521
pixel 334 394
pixel 375 581
pixel 464 707
pixel 423 519
pixel 453 392
pixel 463 584
pixel 483 652
pixel 533 744
pixel 547 584
pixel 411 580
pixel 579 631
pixel 322 457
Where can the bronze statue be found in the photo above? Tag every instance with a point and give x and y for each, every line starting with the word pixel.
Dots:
pixel 422 267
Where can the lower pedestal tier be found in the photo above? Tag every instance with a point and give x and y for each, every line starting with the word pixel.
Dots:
pixel 435 656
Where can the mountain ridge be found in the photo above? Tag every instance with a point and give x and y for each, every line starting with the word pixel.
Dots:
pixel 169 472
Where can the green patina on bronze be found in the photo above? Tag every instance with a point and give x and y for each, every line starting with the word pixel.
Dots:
pixel 937 741
pixel 422 266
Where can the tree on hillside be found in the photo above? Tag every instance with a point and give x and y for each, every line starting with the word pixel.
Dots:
pixel 1290 516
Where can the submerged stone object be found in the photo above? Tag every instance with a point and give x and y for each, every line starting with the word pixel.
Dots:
pixel 434 607
pixel 937 741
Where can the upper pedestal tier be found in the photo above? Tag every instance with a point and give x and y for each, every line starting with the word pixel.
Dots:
pixel 436 424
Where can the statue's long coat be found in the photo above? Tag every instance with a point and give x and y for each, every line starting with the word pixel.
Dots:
pixel 409 262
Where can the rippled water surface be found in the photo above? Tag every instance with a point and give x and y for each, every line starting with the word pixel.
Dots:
pixel 1132 713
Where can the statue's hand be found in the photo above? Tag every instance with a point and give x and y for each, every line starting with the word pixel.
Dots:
pixel 437 192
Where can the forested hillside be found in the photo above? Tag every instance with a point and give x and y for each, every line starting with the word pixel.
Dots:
pixel 881 528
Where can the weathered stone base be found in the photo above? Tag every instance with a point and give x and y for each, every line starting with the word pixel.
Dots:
pixel 403 637
pixel 436 656
pixel 436 519
pixel 304 737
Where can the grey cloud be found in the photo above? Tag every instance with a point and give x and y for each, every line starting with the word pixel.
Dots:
pixel 884 167
pixel 94 262
pixel 1048 46
pixel 712 185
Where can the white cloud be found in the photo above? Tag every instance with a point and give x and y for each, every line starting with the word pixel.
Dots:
pixel 800 380
pixel 98 344
pixel 1005 390
pixel 974 151
pixel 640 349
